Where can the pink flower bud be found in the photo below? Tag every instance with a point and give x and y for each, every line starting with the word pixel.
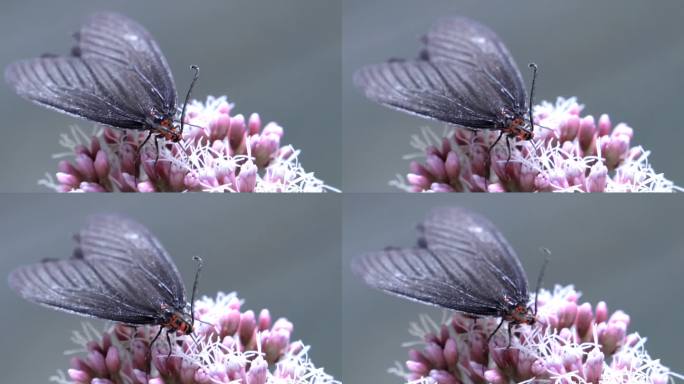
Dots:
pixel 273 129
pixel 146 186
pixel 584 320
pixel 247 178
pixel 219 127
pixel 78 376
pixel 264 319
pixel 598 176
pixel 419 181
pixel 587 132
pixel 593 367
pixel 436 167
pixel 247 327
pixel 101 166
pixel 91 187
pixel 417 368
pixel 569 129
pixel 601 312
pixel 68 179
pixel 604 125
pixel 237 131
pixel 258 372
pixel 443 377
pixel 86 168
pixel 254 124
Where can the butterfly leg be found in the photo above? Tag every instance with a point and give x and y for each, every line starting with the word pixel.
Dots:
pixel 489 151
pixel 510 333
pixel 168 340
pixel 508 145
pixel 495 331
pixel 156 337
pixel 145 141
pixel 156 147
pixel 140 147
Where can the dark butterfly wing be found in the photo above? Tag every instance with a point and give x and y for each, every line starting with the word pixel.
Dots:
pixel 88 89
pixel 119 272
pixel 421 275
pixel 124 43
pixel 113 237
pixel 433 90
pixel 468 44
pixel 116 76
pixel 465 76
pixel 82 287
pixel 481 247
pixel 462 263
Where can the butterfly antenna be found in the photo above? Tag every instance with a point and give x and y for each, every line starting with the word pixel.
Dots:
pixel 543 127
pixel 540 277
pixel 534 146
pixel 187 95
pixel 205 323
pixel 199 126
pixel 192 335
pixel 194 286
pixel 534 80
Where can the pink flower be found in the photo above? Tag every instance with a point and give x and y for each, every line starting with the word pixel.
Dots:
pixel 219 152
pixel 570 343
pixel 232 346
pixel 570 153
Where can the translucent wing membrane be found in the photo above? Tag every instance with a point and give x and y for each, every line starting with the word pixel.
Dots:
pixel 119 272
pixel 461 262
pixel 120 41
pixel 468 44
pixel 433 90
pixel 86 89
pixel 82 287
pixel 117 75
pixel 115 238
pixel 464 76
pixel 422 275
pixel 479 245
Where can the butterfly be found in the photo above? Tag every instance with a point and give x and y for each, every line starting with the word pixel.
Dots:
pixel 461 262
pixel 119 271
pixel 115 75
pixel 464 76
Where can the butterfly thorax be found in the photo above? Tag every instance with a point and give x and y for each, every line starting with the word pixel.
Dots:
pixel 517 128
pixel 177 321
pixel 520 314
pixel 163 126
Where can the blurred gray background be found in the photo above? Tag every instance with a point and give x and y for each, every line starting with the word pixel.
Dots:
pixel 624 58
pixel 280 253
pixel 278 58
pixel 627 251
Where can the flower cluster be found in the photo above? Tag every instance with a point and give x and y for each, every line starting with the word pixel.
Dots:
pixel 227 346
pixel 218 152
pixel 569 153
pixel 570 343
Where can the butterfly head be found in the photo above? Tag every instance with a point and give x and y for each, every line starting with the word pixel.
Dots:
pixel 524 134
